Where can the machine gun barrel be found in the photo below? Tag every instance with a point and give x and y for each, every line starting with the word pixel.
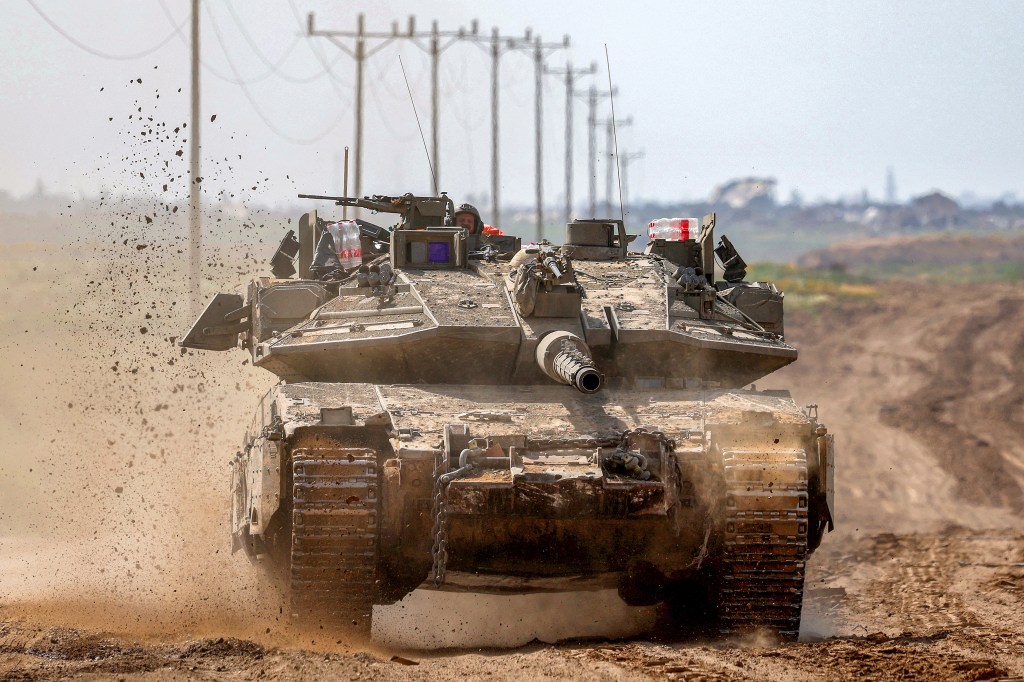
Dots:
pixel 326 197
pixel 372 204
pixel 565 357
pixel 552 265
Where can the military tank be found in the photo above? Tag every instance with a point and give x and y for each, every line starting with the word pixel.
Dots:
pixel 463 413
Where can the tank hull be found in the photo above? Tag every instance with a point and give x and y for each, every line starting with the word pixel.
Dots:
pixel 365 492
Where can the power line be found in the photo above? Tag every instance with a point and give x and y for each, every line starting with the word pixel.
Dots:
pixel 457 79
pixel 106 55
pixel 434 43
pixel 462 117
pixel 615 134
pixel 459 86
pixel 382 79
pixel 334 80
pixel 627 158
pixel 206 65
pixel 611 156
pixel 496 45
pixel 383 110
pixel 239 80
pixel 273 66
pixel 592 96
pixel 359 53
pixel 255 105
pixel 570 75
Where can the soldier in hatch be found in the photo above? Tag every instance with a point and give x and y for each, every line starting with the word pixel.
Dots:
pixel 468 218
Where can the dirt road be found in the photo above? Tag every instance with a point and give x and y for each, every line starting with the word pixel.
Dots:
pixel 946 605
pixel 114 554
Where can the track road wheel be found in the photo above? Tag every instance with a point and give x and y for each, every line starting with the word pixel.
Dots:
pixel 334 536
pixel 761 583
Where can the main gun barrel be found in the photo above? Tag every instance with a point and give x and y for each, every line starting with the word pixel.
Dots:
pixel 565 357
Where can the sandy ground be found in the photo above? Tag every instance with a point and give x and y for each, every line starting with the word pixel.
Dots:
pixel 114 554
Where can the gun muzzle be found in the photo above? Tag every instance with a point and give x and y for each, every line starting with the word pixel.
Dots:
pixel 565 357
pixel 552 265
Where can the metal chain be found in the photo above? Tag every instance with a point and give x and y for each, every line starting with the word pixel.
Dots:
pixel 439 531
pixel 439 550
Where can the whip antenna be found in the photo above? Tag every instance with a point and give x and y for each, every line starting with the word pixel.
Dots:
pixel 615 132
pixel 422 136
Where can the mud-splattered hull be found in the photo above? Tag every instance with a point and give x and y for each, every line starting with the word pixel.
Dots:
pixel 539 488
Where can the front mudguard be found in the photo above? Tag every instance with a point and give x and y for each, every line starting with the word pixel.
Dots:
pixel 822 489
pixel 255 491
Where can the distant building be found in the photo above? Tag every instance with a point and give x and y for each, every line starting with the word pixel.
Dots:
pixel 750 193
pixel 935 210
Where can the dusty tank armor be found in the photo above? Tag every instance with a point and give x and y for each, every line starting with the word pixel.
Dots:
pixel 463 414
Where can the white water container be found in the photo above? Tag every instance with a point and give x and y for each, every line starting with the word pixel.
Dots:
pixel 673 229
pixel 347 246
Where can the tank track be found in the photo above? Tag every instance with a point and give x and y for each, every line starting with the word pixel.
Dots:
pixel 765 542
pixel 333 571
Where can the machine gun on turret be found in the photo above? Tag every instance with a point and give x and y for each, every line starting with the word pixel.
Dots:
pixel 416 213
pixel 545 283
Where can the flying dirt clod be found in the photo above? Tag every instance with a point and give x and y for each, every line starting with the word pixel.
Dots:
pixel 458 412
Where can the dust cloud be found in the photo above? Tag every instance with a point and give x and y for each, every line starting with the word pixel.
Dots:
pixel 429 619
pixel 116 474
pixel 114 478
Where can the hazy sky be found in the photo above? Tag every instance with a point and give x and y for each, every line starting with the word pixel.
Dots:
pixel 822 96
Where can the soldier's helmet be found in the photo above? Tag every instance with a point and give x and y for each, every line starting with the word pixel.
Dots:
pixel 478 222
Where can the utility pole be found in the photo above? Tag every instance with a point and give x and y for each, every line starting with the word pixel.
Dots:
pixel 570 76
pixel 626 158
pixel 436 45
pixel 435 126
pixel 495 182
pixel 538 126
pixel 360 57
pixel 435 48
pixel 495 46
pixel 195 228
pixel 609 187
pixel 540 50
pixel 593 94
pixel 359 53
